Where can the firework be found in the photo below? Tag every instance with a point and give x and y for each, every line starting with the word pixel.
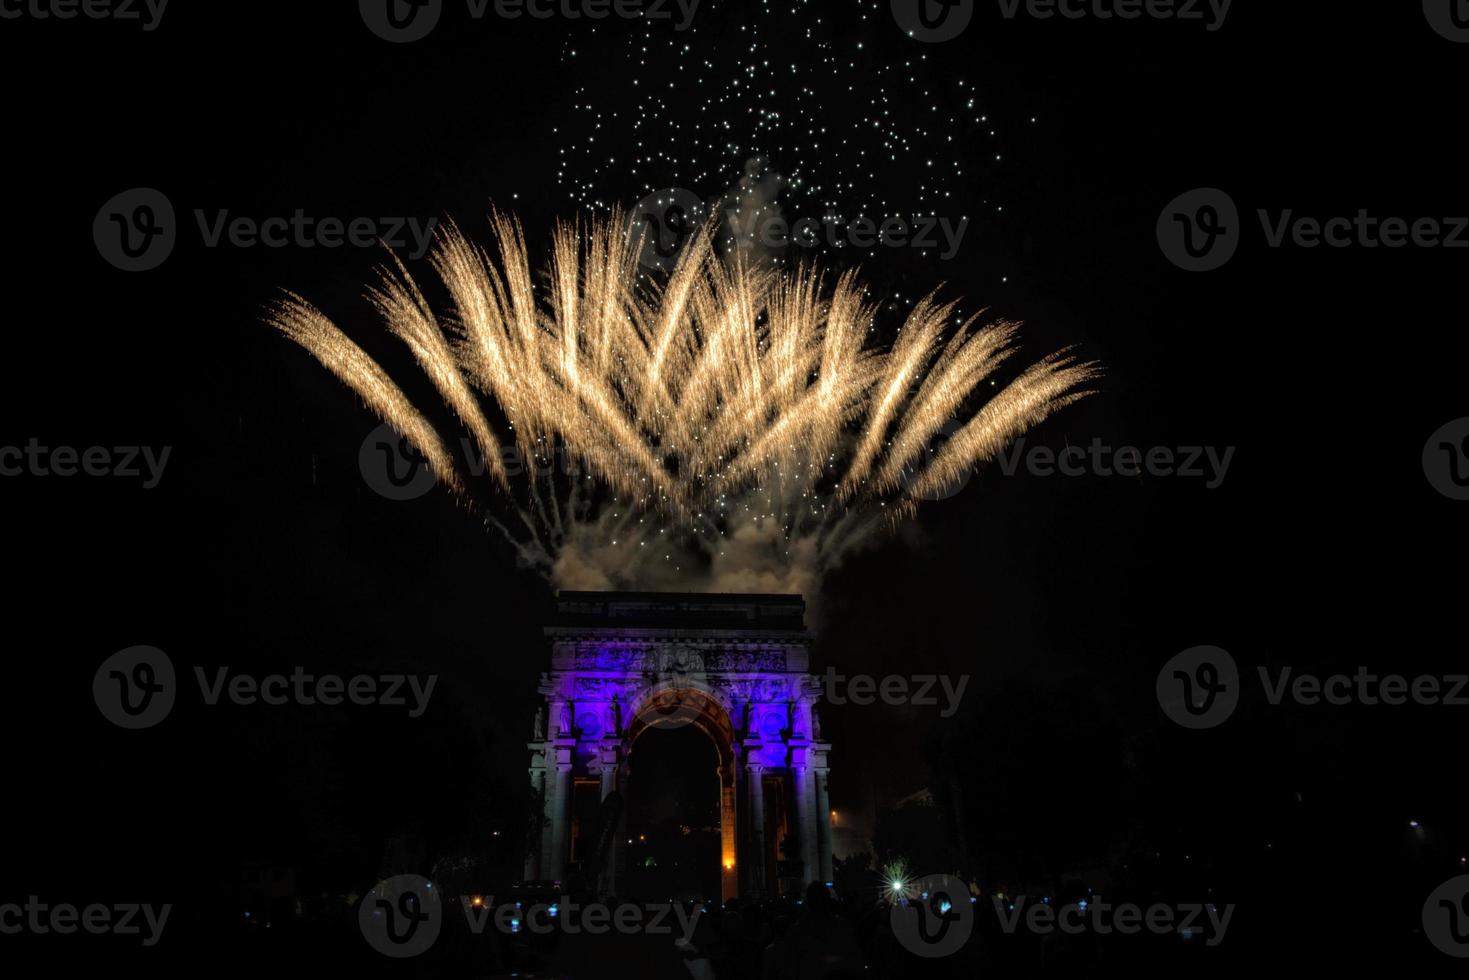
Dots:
pixel 726 419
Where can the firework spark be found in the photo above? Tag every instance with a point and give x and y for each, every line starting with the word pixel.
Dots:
pixel 728 420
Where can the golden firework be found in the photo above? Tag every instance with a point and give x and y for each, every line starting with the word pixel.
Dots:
pixel 735 410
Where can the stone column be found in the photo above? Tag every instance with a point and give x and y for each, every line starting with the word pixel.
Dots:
pixel 618 859
pixel 805 823
pixel 756 877
pixel 823 826
pixel 548 805
pixel 729 882
pixel 554 867
pixel 538 791
pixel 607 769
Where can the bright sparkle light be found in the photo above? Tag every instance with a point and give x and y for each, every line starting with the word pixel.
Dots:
pixel 726 404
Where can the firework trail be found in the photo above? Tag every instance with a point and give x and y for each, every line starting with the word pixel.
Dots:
pixel 727 421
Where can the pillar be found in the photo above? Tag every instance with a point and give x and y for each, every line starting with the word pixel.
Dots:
pixel 729 882
pixel 554 867
pixel 805 822
pixel 607 874
pixel 823 826
pixel 756 795
pixel 538 792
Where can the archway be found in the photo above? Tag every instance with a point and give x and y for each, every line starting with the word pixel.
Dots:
pixel 734 667
pixel 674 819
pixel 685 704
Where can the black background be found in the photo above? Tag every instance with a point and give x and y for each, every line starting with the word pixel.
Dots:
pixel 262 549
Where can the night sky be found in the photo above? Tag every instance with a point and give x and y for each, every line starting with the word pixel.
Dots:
pixel 262 548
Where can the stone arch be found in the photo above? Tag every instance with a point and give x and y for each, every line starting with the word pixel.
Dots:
pixel 734 666
pixel 686 703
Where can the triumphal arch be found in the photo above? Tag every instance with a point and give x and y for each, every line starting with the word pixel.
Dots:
pixel 733 666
